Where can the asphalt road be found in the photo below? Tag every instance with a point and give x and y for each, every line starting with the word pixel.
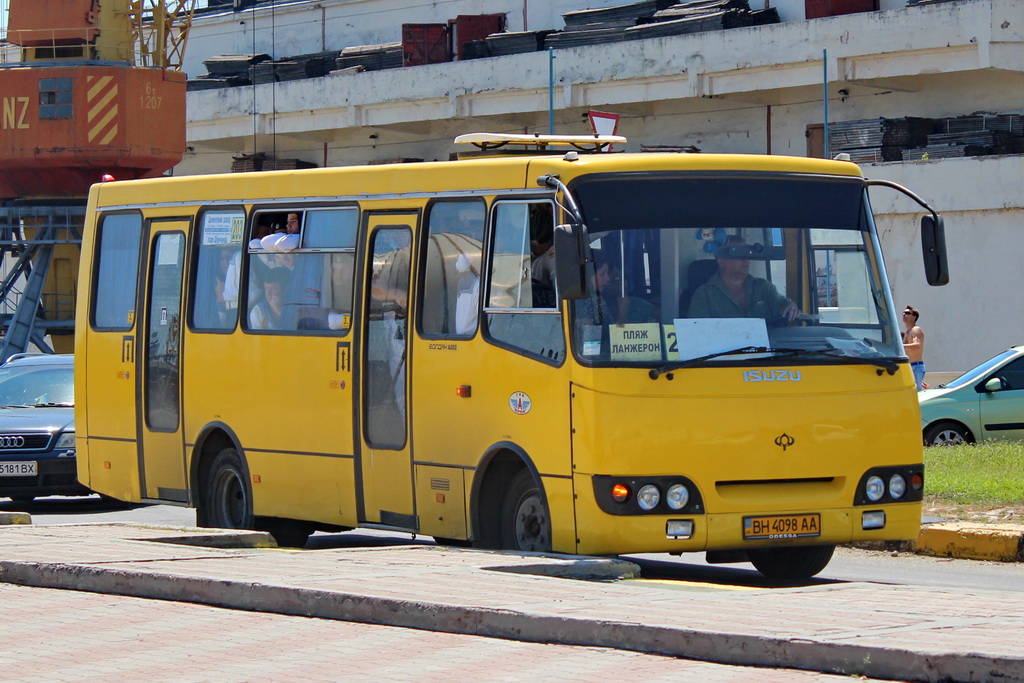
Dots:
pixel 847 565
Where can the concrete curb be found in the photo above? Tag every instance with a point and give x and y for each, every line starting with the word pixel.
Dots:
pixel 1002 543
pixel 726 648
pixel 7 518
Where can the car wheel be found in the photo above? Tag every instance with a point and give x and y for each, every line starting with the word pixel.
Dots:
pixel 947 434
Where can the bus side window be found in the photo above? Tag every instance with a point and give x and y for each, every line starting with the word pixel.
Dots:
pixel 308 288
pixel 521 311
pixel 218 265
pixel 451 285
pixel 117 268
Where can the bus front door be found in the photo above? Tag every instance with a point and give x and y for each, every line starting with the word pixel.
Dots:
pixel 158 376
pixel 385 454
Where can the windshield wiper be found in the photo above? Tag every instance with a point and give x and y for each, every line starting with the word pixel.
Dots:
pixel 16 405
pixel 680 364
pixel 51 404
pixel 888 365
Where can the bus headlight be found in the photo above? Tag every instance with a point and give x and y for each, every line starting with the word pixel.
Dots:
pixel 874 488
pixel 897 486
pixel 677 496
pixel 648 497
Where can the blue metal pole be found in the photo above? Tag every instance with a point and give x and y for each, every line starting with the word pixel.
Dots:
pixel 551 91
pixel 824 66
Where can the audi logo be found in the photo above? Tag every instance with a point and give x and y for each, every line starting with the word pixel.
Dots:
pixel 12 441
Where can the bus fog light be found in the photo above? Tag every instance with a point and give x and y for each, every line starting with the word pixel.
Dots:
pixel 677 496
pixel 679 528
pixel 648 497
pixel 873 520
pixel 897 486
pixel 874 489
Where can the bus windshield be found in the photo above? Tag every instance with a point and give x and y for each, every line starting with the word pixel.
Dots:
pixel 687 266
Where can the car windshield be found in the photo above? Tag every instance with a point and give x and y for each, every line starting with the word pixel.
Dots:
pixel 974 374
pixel 687 266
pixel 37 385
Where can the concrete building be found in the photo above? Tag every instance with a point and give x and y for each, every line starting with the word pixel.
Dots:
pixel 746 90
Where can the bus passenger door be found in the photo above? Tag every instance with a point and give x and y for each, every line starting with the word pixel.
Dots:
pixel 385 454
pixel 161 450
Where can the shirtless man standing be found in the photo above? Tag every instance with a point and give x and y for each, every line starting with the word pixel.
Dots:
pixel 913 345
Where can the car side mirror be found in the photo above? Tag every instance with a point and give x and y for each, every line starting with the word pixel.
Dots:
pixel 994 384
pixel 570 273
pixel 933 248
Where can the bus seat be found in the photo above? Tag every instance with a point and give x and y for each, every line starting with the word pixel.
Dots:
pixel 697 273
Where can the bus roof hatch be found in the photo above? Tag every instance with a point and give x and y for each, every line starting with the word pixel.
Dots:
pixel 539 143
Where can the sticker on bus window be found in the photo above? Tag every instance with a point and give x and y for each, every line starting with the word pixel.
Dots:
pixel 635 341
pixel 222 228
pixel 520 403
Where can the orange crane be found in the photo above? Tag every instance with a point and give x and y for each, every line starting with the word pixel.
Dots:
pixel 94 89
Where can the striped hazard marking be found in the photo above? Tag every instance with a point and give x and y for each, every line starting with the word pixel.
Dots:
pixel 101 102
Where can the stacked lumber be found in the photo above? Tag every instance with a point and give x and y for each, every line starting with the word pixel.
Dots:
pixel 516 42
pixel 657 19
pixel 874 140
pixel 371 57
pixel 226 71
pixel 261 162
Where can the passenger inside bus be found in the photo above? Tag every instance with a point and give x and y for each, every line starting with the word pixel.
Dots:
pixel 286 239
pixel 608 303
pixel 542 256
pixel 267 313
pixel 733 292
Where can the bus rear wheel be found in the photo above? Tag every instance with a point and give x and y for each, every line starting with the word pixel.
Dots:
pixel 791 563
pixel 525 524
pixel 227 498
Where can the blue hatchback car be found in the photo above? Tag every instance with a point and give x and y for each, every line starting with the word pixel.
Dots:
pixel 37 427
pixel 986 402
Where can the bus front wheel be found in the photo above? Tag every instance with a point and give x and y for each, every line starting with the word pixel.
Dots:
pixel 791 563
pixel 227 498
pixel 525 524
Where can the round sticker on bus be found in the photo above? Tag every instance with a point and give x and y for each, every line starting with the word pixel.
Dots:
pixel 520 403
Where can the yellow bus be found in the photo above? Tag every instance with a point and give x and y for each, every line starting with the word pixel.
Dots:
pixel 586 353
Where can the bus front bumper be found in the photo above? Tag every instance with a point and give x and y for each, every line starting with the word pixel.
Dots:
pixel 600 533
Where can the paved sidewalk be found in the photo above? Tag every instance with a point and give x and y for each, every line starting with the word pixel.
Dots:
pixel 76 636
pixel 881 631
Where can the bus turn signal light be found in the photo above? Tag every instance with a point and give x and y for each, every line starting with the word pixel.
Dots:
pixel 464 391
pixel 620 493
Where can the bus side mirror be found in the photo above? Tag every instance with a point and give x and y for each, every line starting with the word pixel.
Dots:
pixel 570 275
pixel 933 247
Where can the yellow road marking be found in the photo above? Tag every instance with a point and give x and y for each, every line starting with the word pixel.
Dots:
pixel 681 583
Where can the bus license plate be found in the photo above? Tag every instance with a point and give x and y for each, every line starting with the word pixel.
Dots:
pixel 18 469
pixel 782 526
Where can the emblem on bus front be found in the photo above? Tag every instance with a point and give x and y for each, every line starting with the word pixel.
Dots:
pixel 784 441
pixel 520 403
pixel 771 375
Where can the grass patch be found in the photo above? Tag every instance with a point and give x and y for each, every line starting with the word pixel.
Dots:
pixel 990 473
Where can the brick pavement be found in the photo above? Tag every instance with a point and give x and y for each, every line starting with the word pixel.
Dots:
pixel 75 636
pixel 886 631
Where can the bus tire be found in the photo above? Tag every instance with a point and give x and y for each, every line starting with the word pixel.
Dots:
pixel 226 501
pixel 801 562
pixel 288 533
pixel 525 523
